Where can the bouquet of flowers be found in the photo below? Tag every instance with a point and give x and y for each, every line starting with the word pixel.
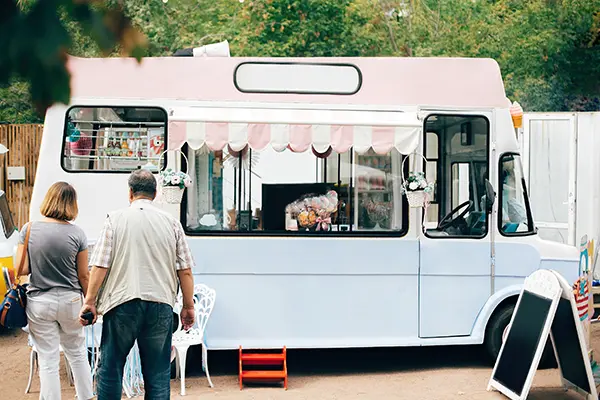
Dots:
pixel 313 211
pixel 178 179
pixel 172 184
pixel 417 189
pixel 416 182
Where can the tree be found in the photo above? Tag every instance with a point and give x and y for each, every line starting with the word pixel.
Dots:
pixel 548 50
pixel 311 28
pixel 35 41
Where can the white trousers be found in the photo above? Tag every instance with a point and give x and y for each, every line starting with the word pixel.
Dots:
pixel 53 318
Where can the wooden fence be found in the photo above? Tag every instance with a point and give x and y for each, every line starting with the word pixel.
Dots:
pixel 23 143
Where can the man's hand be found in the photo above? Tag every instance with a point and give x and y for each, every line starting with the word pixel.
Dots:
pixel 88 308
pixel 89 304
pixel 186 279
pixel 188 315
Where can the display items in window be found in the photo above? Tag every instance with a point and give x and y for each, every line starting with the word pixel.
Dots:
pixel 113 138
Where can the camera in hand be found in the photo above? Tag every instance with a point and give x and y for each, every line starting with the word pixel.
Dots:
pixel 88 317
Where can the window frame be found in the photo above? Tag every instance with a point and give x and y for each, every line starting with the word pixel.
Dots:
pixel 299 92
pixel 436 185
pixel 440 167
pixel 104 171
pixel 533 229
pixel 287 234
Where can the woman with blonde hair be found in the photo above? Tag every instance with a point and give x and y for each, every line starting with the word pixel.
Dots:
pixel 57 261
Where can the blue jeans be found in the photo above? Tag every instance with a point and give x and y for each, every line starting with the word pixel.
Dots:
pixel 151 324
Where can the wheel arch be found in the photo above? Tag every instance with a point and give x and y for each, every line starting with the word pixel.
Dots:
pixel 502 298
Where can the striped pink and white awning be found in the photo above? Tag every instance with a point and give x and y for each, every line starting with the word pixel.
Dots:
pixel 297 130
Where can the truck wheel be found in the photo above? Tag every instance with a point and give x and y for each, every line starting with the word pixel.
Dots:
pixel 495 330
pixel 498 328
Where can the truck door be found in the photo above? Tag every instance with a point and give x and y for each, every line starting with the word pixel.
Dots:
pixel 455 248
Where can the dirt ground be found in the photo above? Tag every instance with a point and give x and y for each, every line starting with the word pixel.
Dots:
pixel 444 373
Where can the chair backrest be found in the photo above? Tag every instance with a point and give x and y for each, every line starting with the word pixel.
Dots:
pixel 204 302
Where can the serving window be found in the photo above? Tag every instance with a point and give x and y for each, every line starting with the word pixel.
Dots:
pixel 113 139
pixel 286 192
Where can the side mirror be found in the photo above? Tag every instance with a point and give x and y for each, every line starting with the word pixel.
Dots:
pixel 490 196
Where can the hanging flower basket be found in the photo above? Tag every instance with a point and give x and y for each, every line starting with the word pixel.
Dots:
pixel 172 194
pixel 173 183
pixel 416 198
pixel 416 187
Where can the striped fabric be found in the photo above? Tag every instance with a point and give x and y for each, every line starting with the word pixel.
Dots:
pixel 582 296
pixel 297 130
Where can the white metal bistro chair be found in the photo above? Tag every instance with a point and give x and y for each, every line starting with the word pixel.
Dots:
pixel 94 344
pixel 34 364
pixel 204 301
pixel 132 374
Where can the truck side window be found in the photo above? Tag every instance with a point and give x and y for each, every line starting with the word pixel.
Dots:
pixel 262 192
pixel 514 212
pixel 457 152
pixel 113 139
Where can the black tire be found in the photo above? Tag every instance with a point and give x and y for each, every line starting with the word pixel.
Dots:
pixel 493 338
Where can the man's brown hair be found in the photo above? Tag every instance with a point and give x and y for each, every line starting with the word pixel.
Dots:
pixel 60 202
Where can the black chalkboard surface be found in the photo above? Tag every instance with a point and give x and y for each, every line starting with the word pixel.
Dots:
pixel 516 358
pixel 568 347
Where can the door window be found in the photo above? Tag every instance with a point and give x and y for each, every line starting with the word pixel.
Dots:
pixel 550 176
pixel 458 164
pixel 515 214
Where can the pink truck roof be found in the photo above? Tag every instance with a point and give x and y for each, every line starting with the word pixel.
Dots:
pixel 442 82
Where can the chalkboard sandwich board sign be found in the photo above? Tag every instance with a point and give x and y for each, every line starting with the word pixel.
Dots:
pixel 546 308
pixel 568 340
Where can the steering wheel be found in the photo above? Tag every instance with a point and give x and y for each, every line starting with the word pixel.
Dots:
pixel 448 221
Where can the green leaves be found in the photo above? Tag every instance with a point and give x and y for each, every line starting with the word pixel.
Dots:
pixel 36 37
pixel 548 50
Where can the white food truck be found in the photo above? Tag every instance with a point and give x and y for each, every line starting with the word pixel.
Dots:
pixel 258 134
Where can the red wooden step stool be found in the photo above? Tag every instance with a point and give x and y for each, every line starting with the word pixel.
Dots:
pixel 276 361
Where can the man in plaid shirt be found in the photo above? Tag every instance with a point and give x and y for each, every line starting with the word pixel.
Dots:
pixel 136 263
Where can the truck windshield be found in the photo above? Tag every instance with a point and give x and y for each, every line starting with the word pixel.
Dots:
pixel 515 213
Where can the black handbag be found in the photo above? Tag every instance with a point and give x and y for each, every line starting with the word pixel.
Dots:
pixel 12 309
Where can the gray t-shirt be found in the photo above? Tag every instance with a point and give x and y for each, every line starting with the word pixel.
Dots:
pixel 53 249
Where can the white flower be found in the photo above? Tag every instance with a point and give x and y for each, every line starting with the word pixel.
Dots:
pixel 413 186
pixel 175 180
pixel 187 181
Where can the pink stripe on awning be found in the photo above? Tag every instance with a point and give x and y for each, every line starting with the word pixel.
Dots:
pixel 177 135
pixel 259 135
pixel 300 137
pixel 382 139
pixel 217 135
